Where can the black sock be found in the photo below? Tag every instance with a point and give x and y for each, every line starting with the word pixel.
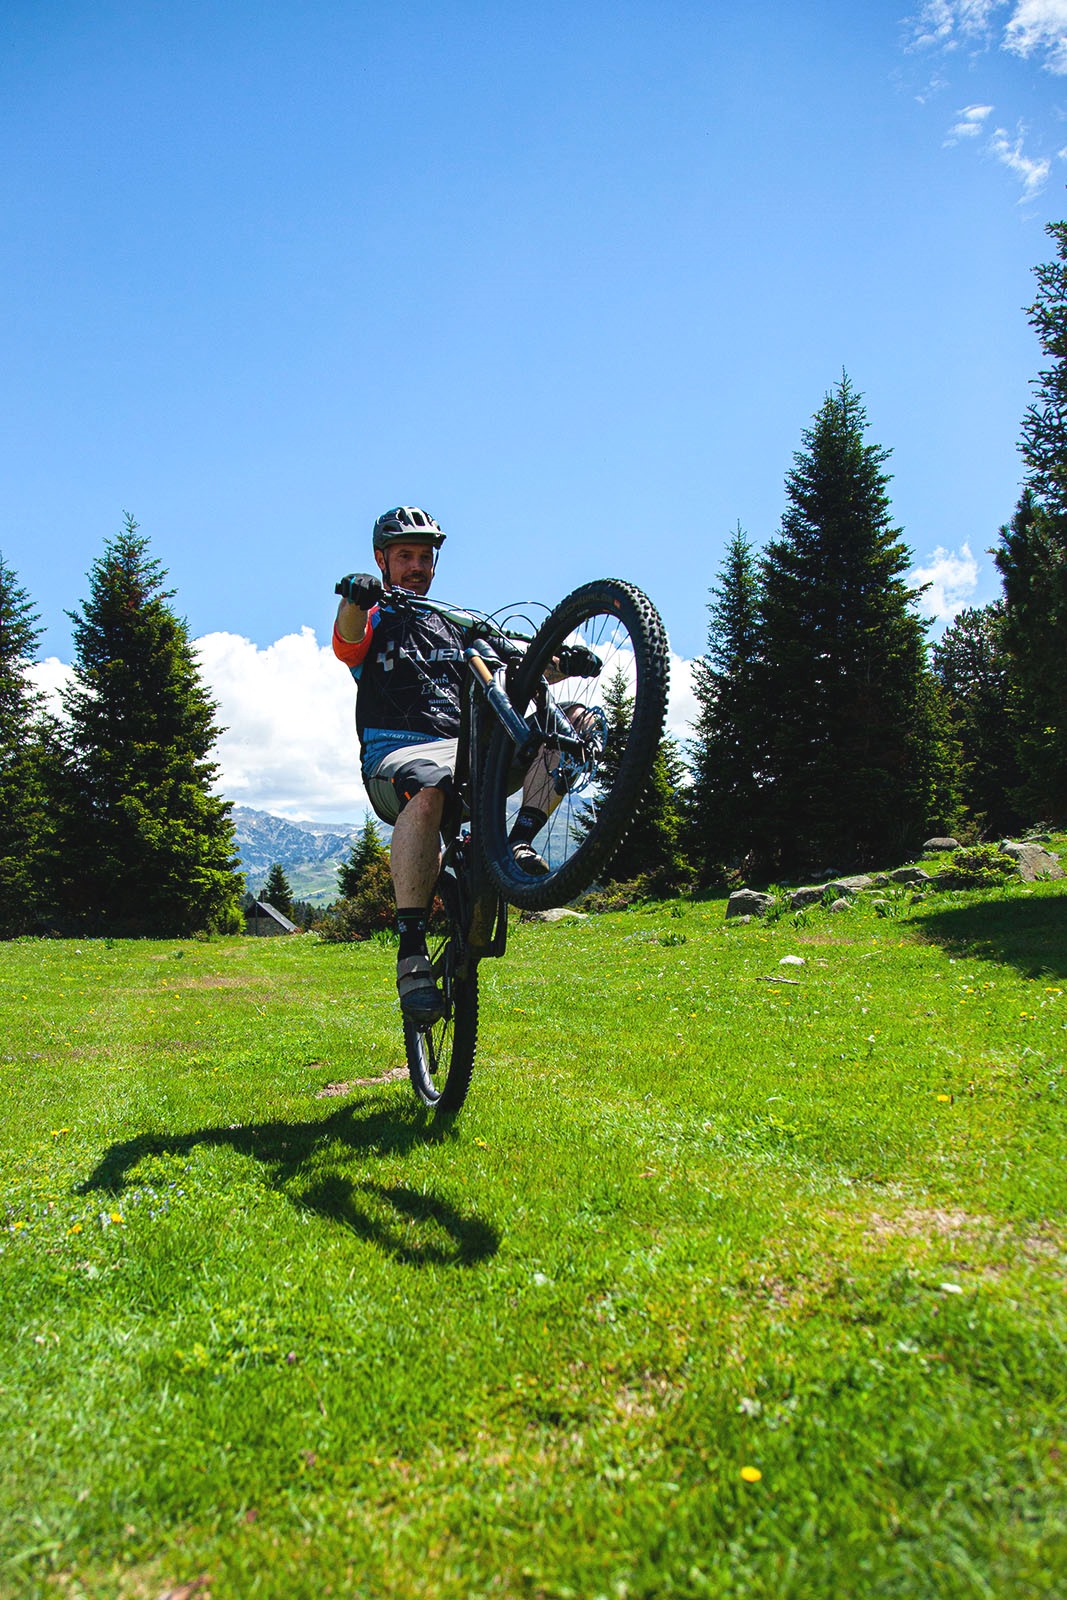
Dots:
pixel 411 926
pixel 529 822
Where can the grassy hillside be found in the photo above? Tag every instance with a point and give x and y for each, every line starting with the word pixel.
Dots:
pixel 734 1277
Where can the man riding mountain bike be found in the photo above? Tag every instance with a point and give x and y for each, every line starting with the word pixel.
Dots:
pixel 409 670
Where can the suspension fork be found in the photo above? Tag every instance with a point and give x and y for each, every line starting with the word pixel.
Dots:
pixel 485 912
pixel 526 743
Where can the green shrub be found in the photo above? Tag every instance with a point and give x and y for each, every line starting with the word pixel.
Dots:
pixel 616 896
pixel 370 910
pixel 979 866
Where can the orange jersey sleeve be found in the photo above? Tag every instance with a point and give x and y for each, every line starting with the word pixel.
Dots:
pixel 354 652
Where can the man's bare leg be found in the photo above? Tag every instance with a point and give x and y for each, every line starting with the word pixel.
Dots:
pixel 415 849
pixel 540 798
pixel 414 862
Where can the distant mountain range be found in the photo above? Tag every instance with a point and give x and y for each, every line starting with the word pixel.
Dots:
pixel 308 852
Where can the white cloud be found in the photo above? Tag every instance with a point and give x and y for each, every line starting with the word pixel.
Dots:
pixel 682 703
pixel 1033 174
pixel 945 24
pixel 1029 29
pixel 288 711
pixel 953 578
pixel 50 677
pixel 970 124
pixel 1034 28
pixel 289 744
pixel 1039 27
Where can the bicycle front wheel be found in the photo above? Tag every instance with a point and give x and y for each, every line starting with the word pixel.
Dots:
pixel 600 733
pixel 441 1057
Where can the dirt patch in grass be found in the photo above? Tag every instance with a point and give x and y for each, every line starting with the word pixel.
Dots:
pixel 215 980
pixel 929 1222
pixel 331 1090
pixel 959 1228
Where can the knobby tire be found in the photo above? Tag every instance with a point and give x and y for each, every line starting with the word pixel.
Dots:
pixel 441 1057
pixel 621 625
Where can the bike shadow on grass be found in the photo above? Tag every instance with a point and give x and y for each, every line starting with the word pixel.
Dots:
pixel 1029 935
pixel 414 1227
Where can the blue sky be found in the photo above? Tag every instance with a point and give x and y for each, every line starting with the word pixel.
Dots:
pixel 575 277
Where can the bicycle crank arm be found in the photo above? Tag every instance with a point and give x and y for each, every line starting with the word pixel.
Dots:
pixel 526 743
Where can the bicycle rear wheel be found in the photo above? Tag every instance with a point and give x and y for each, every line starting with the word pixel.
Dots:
pixel 441 1057
pixel 599 757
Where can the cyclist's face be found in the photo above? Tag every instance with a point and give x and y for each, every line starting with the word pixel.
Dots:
pixel 409 565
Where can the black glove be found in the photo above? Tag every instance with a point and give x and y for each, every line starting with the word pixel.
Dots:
pixel 575 661
pixel 362 589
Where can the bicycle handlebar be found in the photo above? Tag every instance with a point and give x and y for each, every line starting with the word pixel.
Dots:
pixel 476 621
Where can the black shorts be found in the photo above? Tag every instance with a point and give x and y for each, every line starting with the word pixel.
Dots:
pixel 400 775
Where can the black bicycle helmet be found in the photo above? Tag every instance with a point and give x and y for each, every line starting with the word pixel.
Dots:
pixel 406 522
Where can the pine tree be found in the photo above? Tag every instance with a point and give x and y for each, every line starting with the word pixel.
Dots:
pixel 654 845
pixel 978 683
pixel 1033 553
pixel 146 847
pixel 723 801
pixel 277 892
pixel 304 914
pixel 22 809
pixel 367 849
pixel 858 758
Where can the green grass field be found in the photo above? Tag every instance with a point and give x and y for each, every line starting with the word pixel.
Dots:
pixel 734 1278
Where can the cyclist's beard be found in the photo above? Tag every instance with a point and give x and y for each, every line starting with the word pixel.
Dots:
pixel 415 580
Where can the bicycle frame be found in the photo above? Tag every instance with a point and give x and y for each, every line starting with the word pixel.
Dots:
pixel 482 911
pixel 518 728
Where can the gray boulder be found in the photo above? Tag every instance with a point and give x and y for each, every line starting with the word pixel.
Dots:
pixel 1032 860
pixel 555 914
pixel 809 895
pixel 844 904
pixel 912 875
pixel 748 903
pixel 854 885
pixel 933 845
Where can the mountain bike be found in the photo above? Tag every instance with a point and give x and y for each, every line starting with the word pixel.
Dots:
pixel 534 698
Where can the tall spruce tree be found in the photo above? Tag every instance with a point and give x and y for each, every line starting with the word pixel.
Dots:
pixel 980 690
pixel 858 759
pixel 22 808
pixel 722 803
pixel 367 849
pixel 1033 553
pixel 654 846
pixel 277 892
pixel 146 847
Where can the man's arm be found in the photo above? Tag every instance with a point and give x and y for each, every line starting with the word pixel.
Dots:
pixel 360 592
pixel 351 622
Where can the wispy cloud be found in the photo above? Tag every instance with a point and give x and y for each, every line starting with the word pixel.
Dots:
pixel 946 24
pixel 1031 30
pixel 970 124
pixel 1032 174
pixel 952 577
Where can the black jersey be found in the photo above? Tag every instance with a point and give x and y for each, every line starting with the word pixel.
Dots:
pixel 409 668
